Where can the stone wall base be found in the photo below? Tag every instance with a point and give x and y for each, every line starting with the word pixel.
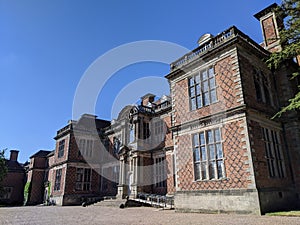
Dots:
pixel 278 200
pixel 75 199
pixel 241 201
pixel 58 200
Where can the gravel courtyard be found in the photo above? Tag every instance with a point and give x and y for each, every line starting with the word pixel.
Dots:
pixel 110 215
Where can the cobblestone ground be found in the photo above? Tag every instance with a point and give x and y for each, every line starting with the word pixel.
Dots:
pixel 108 215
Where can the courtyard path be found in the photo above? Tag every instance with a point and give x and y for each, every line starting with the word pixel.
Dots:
pixel 77 215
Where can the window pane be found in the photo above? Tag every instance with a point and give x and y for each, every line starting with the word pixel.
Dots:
pixel 219 151
pixel 199 101
pixel 220 169
pixel 212 170
pixel 206 99
pixel 276 138
pixel 258 91
pixel 211 72
pixel 191 81
pixel 203 170
pixel 198 89
pixel 210 137
pixel 202 140
pixel 196 140
pixel 197 171
pixel 196 155
pixel 78 186
pixel 192 91
pixel 211 149
pixel 87 175
pixel 267 95
pixel 193 103
pixel 217 135
pixel 203 153
pixel 205 86
pixel 204 75
pixel 212 82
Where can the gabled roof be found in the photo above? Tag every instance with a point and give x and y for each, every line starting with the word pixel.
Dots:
pixel 41 153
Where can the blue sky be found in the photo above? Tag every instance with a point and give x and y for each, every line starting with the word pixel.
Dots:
pixel 46 47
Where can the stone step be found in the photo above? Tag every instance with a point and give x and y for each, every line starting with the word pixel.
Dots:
pixel 110 202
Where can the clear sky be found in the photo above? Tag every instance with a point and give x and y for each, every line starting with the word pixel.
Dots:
pixel 46 47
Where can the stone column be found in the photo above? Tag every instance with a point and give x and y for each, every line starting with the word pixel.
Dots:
pixel 122 190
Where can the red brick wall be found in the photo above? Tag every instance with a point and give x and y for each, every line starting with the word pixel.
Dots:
pixel 37 186
pixel 246 67
pixel 170 174
pixel 293 140
pixel 168 137
pixel 269 30
pixel 262 177
pixel 16 181
pixel 51 160
pixel 39 162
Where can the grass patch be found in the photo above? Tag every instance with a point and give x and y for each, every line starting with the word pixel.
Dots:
pixel 287 213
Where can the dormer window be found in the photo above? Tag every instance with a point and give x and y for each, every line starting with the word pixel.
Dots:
pixel 61 148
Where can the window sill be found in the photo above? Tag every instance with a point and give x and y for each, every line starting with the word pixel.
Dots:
pixel 203 107
pixel 212 180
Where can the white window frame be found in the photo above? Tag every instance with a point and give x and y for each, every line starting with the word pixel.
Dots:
pixel 61 148
pixel 86 147
pixel 208 155
pixel 58 177
pixel 160 172
pixel 202 88
pixel 83 179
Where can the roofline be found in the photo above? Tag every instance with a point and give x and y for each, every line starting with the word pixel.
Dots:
pixel 265 11
pixel 231 35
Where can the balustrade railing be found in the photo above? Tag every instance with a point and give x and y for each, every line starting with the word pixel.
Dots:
pixel 156 200
pixel 163 105
pixel 202 49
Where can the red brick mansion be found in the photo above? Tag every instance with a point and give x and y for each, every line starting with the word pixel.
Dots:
pixel 211 144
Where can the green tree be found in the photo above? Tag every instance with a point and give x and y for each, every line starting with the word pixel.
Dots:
pixel 290 42
pixel 3 169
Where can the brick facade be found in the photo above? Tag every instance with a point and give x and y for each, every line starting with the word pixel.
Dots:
pixel 13 182
pixel 247 98
pixel 211 144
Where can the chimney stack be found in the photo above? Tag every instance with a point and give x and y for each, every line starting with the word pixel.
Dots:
pixel 147 99
pixel 14 155
pixel 271 22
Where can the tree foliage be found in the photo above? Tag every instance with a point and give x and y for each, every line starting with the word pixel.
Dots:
pixel 3 169
pixel 290 42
